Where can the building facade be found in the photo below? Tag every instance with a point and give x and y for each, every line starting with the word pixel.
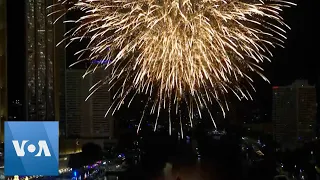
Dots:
pixel 78 111
pixel 86 119
pixel 101 102
pixel 60 72
pixel 42 73
pixel 317 128
pixel 3 66
pixel 294 113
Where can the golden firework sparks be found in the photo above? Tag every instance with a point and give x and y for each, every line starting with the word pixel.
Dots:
pixel 178 51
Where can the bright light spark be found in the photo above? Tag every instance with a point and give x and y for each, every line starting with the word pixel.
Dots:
pixel 178 51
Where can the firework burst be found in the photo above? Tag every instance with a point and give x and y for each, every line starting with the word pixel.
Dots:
pixel 177 51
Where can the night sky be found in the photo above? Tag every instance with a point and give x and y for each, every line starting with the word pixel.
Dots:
pixel 297 60
pixel 16 49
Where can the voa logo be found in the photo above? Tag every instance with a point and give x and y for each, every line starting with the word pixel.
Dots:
pixel 31 148
pixel 41 148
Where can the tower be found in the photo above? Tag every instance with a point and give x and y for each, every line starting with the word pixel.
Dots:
pixel 3 66
pixel 42 66
pixel 294 113
pixel 101 102
pixel 85 119
pixel 78 111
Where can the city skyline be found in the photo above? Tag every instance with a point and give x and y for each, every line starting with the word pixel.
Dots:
pixel 282 122
pixel 284 63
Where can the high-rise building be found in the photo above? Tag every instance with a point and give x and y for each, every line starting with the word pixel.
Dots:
pixel 60 72
pixel 3 66
pixel 294 113
pixel 101 102
pixel 78 111
pixel 42 73
pixel 85 119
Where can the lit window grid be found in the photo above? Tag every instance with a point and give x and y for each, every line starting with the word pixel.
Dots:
pixel 40 48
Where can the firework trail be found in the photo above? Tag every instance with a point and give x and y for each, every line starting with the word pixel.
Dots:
pixel 189 52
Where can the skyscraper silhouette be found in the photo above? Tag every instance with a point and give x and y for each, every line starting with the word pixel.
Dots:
pixel 42 66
